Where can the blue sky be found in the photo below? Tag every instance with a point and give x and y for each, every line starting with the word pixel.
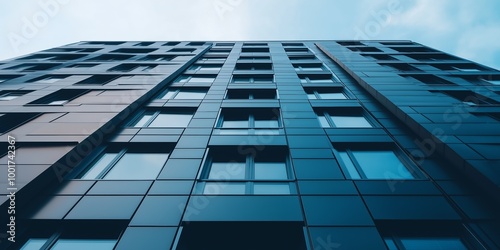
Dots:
pixel 470 29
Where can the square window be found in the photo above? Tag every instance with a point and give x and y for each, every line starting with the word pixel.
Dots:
pixel 265 173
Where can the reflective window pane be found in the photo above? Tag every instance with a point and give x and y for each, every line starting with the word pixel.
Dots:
pixel 433 243
pixel 201 80
pixel 311 96
pixel 323 122
pixel 33 244
pixel 77 244
pixel 99 166
pixel 266 124
pixel 168 95
pixel 216 188
pixel 332 96
pixel 143 121
pixel 348 164
pixel 235 124
pixel 171 120
pixel 270 171
pixel 227 171
pixel 137 166
pixel 381 165
pixel 350 122
pixel 190 95
pixel 271 188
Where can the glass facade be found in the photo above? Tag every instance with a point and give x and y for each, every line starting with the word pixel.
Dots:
pixel 250 145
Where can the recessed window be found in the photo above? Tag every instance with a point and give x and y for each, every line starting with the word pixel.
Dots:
pixel 7 95
pixel 309 67
pixel 254 66
pixel 60 97
pixel 164 119
pixel 219 50
pixel 136 163
pixel 319 79
pixel 133 51
pixel 35 66
pixel 48 79
pixel 127 67
pixel 432 57
pixel 90 50
pixel 400 66
pixel 292 44
pixel 430 79
pixel 4 78
pixel 195 79
pixel 254 44
pixel 103 43
pixel 382 57
pixel 364 49
pixel 350 43
pixel 56 57
pixel 428 235
pixel 490 80
pixel 83 65
pixel 254 49
pixel 383 164
pixel 254 58
pixel 196 43
pixel 157 58
pixel 413 49
pixel 343 118
pixel 171 43
pixel 219 59
pixel 185 93
pixel 210 68
pixel 253 79
pixel 265 173
pixel 189 50
pixel 301 58
pixel 99 79
pixel 143 44
pixel 251 94
pixel 255 118
pixel 224 44
pixel 325 93
pixel 301 50
pixel 469 97
pixel 110 57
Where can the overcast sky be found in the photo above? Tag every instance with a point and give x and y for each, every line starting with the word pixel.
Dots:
pixel 470 29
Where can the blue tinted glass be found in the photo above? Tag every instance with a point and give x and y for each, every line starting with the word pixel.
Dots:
pixel 271 188
pixel 433 243
pixel 270 171
pixel 353 172
pixel 171 120
pixel 381 165
pixel 33 244
pixel 224 188
pixel 99 166
pixel 77 244
pixel 351 122
pixel 137 166
pixel 227 171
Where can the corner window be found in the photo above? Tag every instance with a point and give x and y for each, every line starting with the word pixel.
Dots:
pixel 343 118
pixel 164 119
pixel 379 164
pixel 265 173
pixel 185 93
pixel 135 163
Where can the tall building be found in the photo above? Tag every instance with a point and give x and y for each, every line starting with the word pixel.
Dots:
pixel 249 145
